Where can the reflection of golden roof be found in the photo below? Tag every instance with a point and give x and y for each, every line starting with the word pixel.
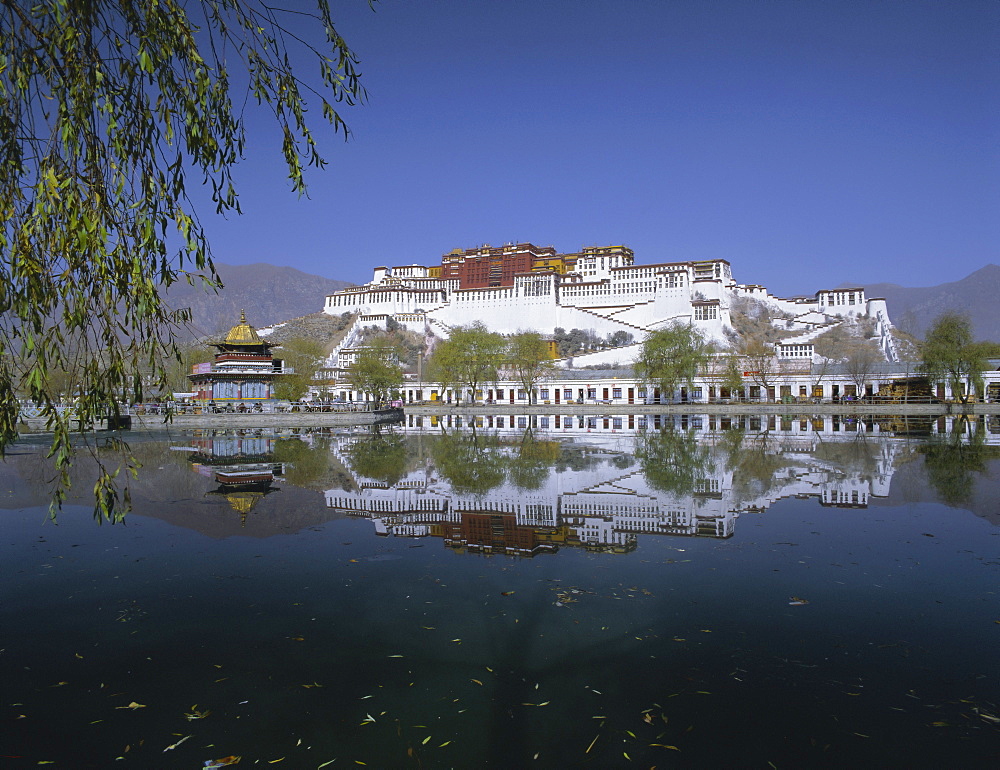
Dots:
pixel 244 502
pixel 243 333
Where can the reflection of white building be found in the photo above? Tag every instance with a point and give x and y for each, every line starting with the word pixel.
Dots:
pixel 610 504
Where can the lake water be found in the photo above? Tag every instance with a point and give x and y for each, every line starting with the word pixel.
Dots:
pixel 712 592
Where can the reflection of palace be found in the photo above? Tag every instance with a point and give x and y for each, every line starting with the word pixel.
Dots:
pixel 243 466
pixel 609 501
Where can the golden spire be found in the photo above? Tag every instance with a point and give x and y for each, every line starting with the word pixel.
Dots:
pixel 243 333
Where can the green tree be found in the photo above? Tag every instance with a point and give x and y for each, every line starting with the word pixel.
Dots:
pixel 376 371
pixel 671 357
pixel 731 376
pixel 470 358
pixel 177 369
pixel 108 108
pixel 303 356
pixel 950 355
pixel 527 361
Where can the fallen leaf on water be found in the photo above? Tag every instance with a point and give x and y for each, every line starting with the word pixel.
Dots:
pixel 425 740
pixel 506 593
pixel 133 705
pixel 665 746
pixel 310 686
pixel 195 714
pixel 444 744
pixel 232 760
pixel 320 767
pixel 275 761
pixel 173 746
pixel 797 601
pixel 477 682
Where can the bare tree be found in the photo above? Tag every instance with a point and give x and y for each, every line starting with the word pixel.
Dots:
pixel 860 363
pixel 762 364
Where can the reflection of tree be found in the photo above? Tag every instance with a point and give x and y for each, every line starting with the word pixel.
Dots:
pixel 475 462
pixel 753 461
pixel 382 456
pixel 472 462
pixel 573 457
pixel 952 462
pixel 304 464
pixel 859 456
pixel 530 465
pixel 673 461
pixel 623 461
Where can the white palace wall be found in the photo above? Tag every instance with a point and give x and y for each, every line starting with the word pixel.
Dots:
pixel 633 298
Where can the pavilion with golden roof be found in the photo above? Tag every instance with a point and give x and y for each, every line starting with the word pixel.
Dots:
pixel 243 372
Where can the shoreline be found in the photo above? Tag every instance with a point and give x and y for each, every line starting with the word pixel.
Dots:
pixel 703 408
pixel 390 416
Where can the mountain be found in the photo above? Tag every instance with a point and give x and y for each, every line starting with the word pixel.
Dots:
pixel 914 309
pixel 268 293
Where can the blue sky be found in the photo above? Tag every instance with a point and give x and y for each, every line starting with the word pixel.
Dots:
pixel 809 143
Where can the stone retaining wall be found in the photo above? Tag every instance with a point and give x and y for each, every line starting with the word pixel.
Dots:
pixel 615 408
pixel 250 420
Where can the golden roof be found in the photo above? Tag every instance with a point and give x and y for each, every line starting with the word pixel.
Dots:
pixel 243 333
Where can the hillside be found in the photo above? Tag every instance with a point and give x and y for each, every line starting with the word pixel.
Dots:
pixel 914 309
pixel 268 293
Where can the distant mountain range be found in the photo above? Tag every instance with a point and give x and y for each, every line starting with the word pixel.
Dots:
pixel 914 309
pixel 271 294
pixel 268 293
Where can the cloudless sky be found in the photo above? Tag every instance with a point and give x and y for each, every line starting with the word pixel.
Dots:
pixel 809 143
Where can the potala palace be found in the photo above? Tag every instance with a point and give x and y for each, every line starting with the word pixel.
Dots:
pixel 521 286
